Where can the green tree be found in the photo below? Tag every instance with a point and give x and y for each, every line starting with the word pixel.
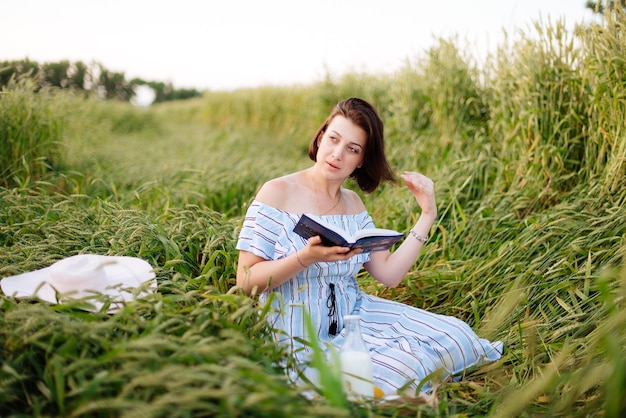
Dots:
pixel 55 74
pixel 113 85
pixel 17 69
pixel 78 76
pixel 161 90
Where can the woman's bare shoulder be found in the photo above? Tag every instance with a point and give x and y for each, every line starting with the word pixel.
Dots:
pixel 353 200
pixel 280 192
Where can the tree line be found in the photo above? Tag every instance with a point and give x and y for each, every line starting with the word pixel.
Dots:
pixel 95 78
pixel 91 78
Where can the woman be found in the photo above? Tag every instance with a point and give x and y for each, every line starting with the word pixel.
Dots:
pixel 406 344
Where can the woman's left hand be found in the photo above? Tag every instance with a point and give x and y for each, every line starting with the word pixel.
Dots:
pixel 423 189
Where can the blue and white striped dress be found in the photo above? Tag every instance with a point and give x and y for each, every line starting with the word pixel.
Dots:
pixel 406 343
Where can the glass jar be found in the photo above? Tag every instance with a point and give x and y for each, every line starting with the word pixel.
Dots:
pixel 356 364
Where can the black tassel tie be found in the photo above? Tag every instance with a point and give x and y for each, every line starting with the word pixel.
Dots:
pixel 331 304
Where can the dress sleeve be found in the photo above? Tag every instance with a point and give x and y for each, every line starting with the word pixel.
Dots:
pixel 260 232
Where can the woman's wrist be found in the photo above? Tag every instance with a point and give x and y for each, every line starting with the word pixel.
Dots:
pixel 421 238
pixel 421 229
pixel 300 261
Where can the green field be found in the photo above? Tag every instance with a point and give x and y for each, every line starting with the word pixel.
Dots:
pixel 528 154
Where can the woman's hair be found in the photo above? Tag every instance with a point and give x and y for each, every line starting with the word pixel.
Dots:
pixel 375 168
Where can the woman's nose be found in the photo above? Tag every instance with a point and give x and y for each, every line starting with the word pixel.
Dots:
pixel 337 152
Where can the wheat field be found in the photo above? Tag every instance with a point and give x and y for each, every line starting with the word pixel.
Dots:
pixel 528 154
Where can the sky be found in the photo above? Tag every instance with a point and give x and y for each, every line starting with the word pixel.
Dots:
pixel 230 44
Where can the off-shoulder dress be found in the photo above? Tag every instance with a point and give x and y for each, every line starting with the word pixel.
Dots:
pixel 406 344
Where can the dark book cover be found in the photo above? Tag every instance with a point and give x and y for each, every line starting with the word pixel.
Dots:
pixel 370 240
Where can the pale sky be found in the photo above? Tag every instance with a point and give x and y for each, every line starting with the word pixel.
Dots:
pixel 227 44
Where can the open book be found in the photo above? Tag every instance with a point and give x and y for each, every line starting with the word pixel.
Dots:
pixel 372 239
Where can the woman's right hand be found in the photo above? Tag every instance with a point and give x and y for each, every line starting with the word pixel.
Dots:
pixel 315 251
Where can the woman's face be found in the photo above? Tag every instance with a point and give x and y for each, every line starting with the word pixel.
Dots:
pixel 341 148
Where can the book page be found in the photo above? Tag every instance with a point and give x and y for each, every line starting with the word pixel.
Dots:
pixel 374 232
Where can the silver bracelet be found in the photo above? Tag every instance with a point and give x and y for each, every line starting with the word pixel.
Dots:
pixel 423 240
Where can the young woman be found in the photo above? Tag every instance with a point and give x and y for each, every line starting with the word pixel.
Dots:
pixel 406 344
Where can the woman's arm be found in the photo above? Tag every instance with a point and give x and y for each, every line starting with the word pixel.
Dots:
pixel 390 268
pixel 256 274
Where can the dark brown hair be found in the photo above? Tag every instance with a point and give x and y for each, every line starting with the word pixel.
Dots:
pixel 375 168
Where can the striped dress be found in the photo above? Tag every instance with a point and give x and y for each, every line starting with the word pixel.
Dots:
pixel 406 344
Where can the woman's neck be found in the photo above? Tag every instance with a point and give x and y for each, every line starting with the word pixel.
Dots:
pixel 322 186
pixel 327 194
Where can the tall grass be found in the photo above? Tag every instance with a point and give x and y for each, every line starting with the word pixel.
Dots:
pixel 30 134
pixel 527 153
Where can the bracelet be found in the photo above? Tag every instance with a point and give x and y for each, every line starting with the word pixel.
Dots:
pixel 423 240
pixel 301 263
